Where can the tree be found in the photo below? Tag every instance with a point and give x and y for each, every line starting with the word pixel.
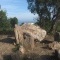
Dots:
pixel 45 24
pixel 6 23
pixel 3 19
pixel 13 21
pixel 21 23
pixel 49 9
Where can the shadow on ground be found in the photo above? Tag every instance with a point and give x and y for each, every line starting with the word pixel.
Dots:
pixel 46 41
pixel 7 40
pixel 7 57
pixel 31 56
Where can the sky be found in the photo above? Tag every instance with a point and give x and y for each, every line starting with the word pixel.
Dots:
pixel 19 9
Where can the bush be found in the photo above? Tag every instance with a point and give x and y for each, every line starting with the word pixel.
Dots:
pixel 6 31
pixel 58 27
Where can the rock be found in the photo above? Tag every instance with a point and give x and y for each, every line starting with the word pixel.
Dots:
pixel 29 32
pixel 30 29
pixel 59 54
pixel 55 45
pixel 22 49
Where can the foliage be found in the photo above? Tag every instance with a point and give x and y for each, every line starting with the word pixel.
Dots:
pixel 21 24
pixel 45 24
pixel 58 27
pixel 13 21
pixel 6 24
pixel 49 9
pixel 17 46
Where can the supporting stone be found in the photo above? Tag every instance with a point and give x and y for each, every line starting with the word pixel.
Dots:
pixel 16 35
pixel 32 43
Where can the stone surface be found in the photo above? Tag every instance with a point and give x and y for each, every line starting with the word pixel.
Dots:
pixel 31 30
pixel 56 46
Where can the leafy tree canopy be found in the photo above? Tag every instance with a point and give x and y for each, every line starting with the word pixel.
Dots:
pixel 13 21
pixel 3 19
pixel 44 7
pixel 49 9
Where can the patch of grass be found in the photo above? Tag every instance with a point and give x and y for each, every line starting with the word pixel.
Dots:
pixel 17 46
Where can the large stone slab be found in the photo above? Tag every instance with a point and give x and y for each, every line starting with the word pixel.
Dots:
pixel 27 33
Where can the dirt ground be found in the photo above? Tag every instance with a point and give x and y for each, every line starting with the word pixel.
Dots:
pixel 41 51
pixel 6 45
